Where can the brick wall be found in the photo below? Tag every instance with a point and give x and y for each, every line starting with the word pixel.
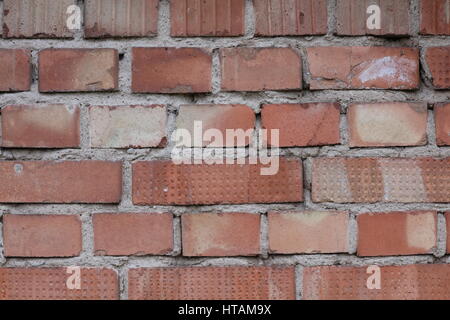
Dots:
pixel 86 177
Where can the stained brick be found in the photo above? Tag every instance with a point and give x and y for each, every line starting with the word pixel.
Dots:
pixel 212 283
pixel 128 234
pixel 28 126
pixel 128 126
pixel 387 124
pixel 218 117
pixel 369 180
pixel 226 234
pixel 171 70
pixel 300 125
pixel 290 17
pixel 117 18
pixel 442 119
pixel 78 70
pixel 351 16
pixel 438 61
pixel 212 18
pixel 163 182
pixel 60 182
pixel 396 233
pixel 435 17
pixel 51 284
pixel 259 69
pixel 42 235
pixel 36 19
pixel 363 68
pixel 15 70
pixel 410 282
pixel 308 232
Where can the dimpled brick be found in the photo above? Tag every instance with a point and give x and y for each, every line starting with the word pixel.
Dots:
pixel 435 17
pixel 409 282
pixel 163 182
pixel 438 61
pixel 212 283
pixel 51 284
pixel 442 119
pixel 369 180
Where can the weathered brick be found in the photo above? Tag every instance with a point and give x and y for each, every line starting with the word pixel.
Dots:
pixel 218 117
pixel 128 126
pixel 212 283
pixel 226 234
pixel 28 126
pixel 127 234
pixel 363 68
pixel 41 235
pixel 435 17
pixel 290 17
pixel 369 180
pixel 212 18
pixel 117 18
pixel 442 119
pixel 163 182
pixel 396 233
pixel 300 125
pixel 352 16
pixel 60 182
pixel 171 70
pixel 409 282
pixel 78 70
pixel 308 232
pixel 438 61
pixel 259 69
pixel 36 19
pixel 51 284
pixel 387 124
pixel 15 70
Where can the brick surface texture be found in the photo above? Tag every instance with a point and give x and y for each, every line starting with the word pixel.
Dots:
pixel 224 149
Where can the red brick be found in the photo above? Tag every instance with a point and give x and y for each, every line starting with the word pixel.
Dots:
pixel 409 282
pixel 218 117
pixel 78 70
pixel 171 70
pixel 42 235
pixel 36 18
pixel 226 234
pixel 290 17
pixel 28 126
pixel 15 70
pixel 259 69
pixel 128 126
pixel 442 119
pixel 60 182
pixel 387 124
pixel 51 284
pixel 435 17
pixel 212 283
pixel 127 234
pixel 363 68
pixel 370 180
pixel 352 16
pixel 301 125
pixel 447 219
pixel 117 18
pixel 396 233
pixel 164 183
pixel 438 61
pixel 308 232
pixel 211 18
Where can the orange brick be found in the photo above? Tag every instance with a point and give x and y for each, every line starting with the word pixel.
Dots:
pixel 226 234
pixel 442 119
pixel 396 233
pixel 308 232
pixel 212 283
pixel 41 235
pixel 434 17
pixel 438 61
pixel 15 70
pixel 132 234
